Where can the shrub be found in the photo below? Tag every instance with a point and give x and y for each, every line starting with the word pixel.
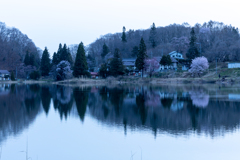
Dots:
pixel 35 75
pixel 63 71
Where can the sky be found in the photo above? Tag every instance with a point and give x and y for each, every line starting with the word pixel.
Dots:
pixel 50 22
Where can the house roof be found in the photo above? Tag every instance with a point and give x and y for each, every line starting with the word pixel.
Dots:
pixel 129 60
pixel 4 72
pixel 126 63
pixel 174 52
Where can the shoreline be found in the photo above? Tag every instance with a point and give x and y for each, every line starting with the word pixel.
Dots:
pixel 130 80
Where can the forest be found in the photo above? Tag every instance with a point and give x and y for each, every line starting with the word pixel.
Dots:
pixel 14 45
pixel 214 40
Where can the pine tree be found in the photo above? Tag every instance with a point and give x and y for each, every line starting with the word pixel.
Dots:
pixel 69 57
pixel 124 39
pixel 134 51
pixel 27 59
pixel 152 36
pixel 45 63
pixel 31 59
pixel 64 53
pixel 105 50
pixel 59 52
pixel 80 66
pixel 116 64
pixel 192 51
pixel 12 76
pixel 142 55
pixel 165 61
pixel 54 59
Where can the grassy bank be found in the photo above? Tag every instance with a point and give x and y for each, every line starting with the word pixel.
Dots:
pixel 228 76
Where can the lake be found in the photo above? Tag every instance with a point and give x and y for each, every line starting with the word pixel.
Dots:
pixel 53 122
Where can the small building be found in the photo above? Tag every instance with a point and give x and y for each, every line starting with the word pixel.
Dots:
pixel 4 75
pixel 94 75
pixel 129 63
pixel 234 65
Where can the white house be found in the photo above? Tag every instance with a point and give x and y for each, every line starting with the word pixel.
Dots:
pixel 4 75
pixel 176 55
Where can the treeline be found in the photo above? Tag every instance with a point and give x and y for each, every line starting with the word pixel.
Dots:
pixel 214 40
pixel 14 45
pixel 62 66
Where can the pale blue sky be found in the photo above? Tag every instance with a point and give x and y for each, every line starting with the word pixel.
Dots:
pixel 50 22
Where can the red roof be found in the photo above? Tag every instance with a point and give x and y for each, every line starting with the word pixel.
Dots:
pixel 94 73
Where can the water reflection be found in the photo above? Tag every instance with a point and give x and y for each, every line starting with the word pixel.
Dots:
pixel 19 106
pixel 173 109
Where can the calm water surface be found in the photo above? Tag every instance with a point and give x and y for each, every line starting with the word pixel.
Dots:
pixel 50 122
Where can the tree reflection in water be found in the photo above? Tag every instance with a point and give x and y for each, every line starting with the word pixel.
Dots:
pixel 63 100
pixel 46 98
pixel 81 99
pixel 199 98
pixel 176 110
pixel 19 106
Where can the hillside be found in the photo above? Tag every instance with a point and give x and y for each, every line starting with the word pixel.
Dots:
pixel 13 47
pixel 215 40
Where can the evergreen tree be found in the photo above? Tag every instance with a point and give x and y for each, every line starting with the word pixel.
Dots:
pixel 45 63
pixel 105 50
pixel 64 53
pixel 124 38
pixel 59 52
pixel 31 59
pixel 69 57
pixel 165 61
pixel 80 66
pixel 192 51
pixel 54 59
pixel 12 76
pixel 153 36
pixel 134 51
pixel 103 72
pixel 27 59
pixel 116 64
pixel 142 55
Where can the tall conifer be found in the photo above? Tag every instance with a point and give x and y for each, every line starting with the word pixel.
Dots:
pixel 105 50
pixel 80 65
pixel 153 36
pixel 45 63
pixel 31 59
pixel 59 52
pixel 116 64
pixel 142 55
pixel 124 38
pixel 192 51
pixel 27 59
pixel 54 59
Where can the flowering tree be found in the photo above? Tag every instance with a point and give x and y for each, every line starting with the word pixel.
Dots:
pixel 63 70
pixel 151 65
pixel 24 71
pixel 198 65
